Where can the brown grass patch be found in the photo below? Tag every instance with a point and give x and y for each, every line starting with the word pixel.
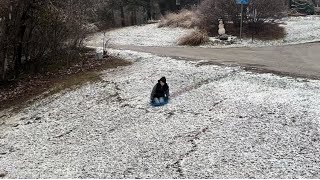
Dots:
pixel 18 93
pixel 195 38
pixel 185 19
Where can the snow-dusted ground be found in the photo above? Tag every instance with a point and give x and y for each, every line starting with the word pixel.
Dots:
pixel 222 122
pixel 302 29
pixel 146 35
pixel 299 30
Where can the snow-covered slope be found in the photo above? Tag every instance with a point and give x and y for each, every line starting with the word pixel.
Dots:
pixel 221 122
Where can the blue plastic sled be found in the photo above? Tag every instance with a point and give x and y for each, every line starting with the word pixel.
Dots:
pixel 166 101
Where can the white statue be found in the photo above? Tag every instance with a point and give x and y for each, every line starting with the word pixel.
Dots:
pixel 221 30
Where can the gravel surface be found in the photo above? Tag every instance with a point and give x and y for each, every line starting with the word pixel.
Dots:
pixel 221 122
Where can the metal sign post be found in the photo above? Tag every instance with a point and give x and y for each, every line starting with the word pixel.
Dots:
pixel 241 2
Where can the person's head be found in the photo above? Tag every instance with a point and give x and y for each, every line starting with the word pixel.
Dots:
pixel 162 81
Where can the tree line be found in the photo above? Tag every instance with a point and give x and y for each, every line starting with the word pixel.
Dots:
pixel 35 33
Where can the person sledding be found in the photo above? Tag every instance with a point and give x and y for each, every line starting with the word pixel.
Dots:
pixel 160 93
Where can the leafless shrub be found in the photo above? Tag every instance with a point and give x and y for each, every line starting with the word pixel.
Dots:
pixel 195 38
pixel 229 11
pixel 268 8
pixel 185 19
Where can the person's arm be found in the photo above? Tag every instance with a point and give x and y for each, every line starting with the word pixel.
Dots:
pixel 153 92
pixel 167 93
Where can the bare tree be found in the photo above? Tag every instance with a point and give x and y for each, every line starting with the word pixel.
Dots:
pixel 37 31
pixel 268 8
pixel 212 10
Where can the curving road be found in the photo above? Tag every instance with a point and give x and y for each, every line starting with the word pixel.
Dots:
pixel 295 60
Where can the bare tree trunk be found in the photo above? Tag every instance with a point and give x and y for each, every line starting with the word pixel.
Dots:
pixel 123 23
pixel 27 47
pixel 290 3
pixel 3 56
pixel 134 17
pixel 5 49
pixel 20 37
pixel 149 7
pixel 2 62
pixel 113 18
pixel 19 48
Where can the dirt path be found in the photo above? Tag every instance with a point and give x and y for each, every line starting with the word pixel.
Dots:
pixel 297 60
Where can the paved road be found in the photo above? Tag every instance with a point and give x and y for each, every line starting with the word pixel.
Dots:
pixel 297 60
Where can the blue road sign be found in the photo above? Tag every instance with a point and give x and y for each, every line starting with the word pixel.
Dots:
pixel 242 1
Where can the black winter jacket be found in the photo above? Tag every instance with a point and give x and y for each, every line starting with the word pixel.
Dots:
pixel 160 91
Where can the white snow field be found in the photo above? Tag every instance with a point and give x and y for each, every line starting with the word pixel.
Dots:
pixel 302 29
pixel 221 122
pixel 145 35
pixel 299 30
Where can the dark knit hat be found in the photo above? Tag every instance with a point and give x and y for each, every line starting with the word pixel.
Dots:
pixel 163 79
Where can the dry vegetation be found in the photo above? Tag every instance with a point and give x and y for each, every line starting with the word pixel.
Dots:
pixel 184 19
pixel 206 16
pixel 17 92
pixel 260 31
pixel 195 38
pixel 265 31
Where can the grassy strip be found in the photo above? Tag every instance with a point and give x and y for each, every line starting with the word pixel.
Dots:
pixel 29 90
